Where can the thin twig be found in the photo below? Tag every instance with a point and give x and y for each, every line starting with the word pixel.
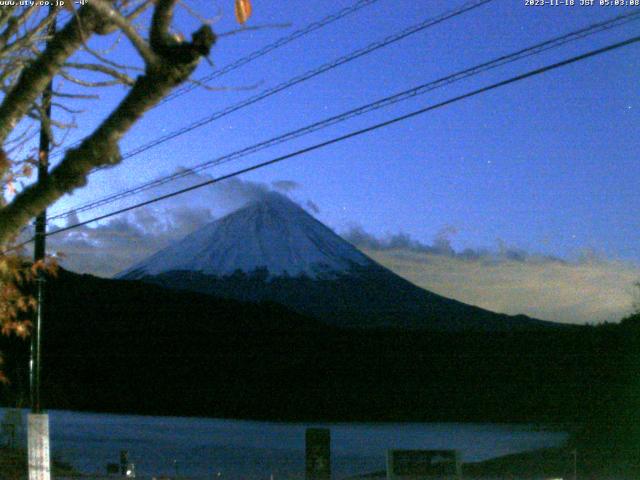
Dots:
pixel 63 107
pixel 90 84
pixel 195 14
pixel 108 12
pixel 96 67
pixel 79 96
pixel 107 61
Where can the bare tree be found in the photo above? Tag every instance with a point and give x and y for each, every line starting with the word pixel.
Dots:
pixel 31 55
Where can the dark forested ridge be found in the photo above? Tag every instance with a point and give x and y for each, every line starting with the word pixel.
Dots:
pixel 362 297
pixel 125 346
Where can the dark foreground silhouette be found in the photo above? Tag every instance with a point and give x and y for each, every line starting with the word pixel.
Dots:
pixel 123 346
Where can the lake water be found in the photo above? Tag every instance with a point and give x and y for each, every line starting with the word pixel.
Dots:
pixel 229 449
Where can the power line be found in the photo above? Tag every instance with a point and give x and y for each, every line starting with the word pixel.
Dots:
pixel 466 7
pixel 536 49
pixel 353 134
pixel 281 42
pixel 269 48
pixel 384 102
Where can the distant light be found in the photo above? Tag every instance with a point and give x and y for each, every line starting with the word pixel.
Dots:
pixel 130 472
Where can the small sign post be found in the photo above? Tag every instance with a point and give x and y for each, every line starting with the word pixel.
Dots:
pixel 38 446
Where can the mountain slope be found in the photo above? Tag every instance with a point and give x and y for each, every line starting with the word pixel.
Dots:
pixel 275 234
pixel 275 251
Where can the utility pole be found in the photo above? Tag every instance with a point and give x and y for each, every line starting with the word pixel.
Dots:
pixel 39 254
pixel 38 423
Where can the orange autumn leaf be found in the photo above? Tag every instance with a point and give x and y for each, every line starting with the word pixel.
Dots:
pixel 38 266
pixel 22 329
pixel 22 304
pixel 243 10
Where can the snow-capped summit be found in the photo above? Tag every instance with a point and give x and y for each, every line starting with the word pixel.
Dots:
pixel 274 251
pixel 274 234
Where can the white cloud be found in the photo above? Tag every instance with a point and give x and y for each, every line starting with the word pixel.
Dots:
pixel 584 291
pixel 108 248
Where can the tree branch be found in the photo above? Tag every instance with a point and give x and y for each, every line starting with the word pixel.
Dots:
pixel 30 36
pixel 34 78
pixel 79 96
pixel 100 56
pixel 96 67
pixel 94 84
pixel 137 11
pixel 160 25
pixel 6 12
pixel 13 25
pixel 65 108
pixel 176 64
pixel 107 11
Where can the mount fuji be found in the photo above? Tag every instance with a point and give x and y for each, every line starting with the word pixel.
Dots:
pixel 274 251
pixel 274 234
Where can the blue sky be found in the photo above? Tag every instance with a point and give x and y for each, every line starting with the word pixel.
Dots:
pixel 548 165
